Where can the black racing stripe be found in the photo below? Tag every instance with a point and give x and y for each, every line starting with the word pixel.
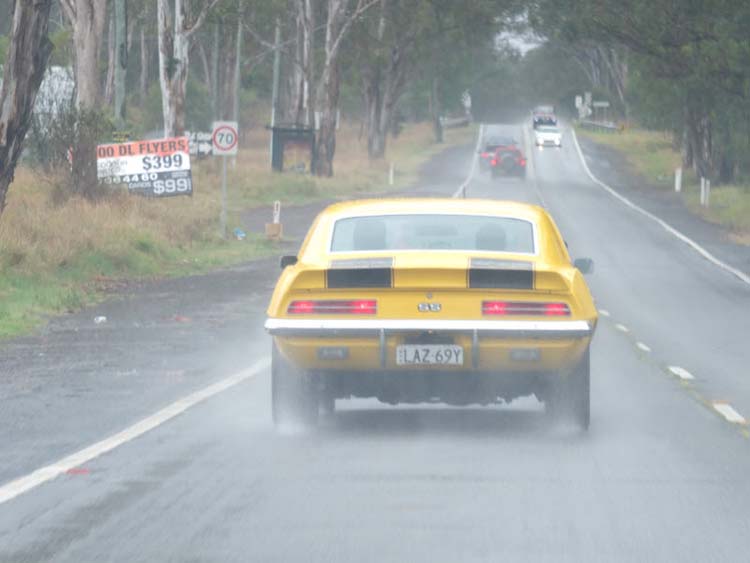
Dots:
pixel 500 274
pixel 340 278
pixel 501 279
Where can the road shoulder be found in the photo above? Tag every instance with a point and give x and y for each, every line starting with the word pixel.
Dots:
pixel 611 167
pixel 89 374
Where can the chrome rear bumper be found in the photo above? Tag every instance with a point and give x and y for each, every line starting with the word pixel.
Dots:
pixel 376 327
pixel 381 328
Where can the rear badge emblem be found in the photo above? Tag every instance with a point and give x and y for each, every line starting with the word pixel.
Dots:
pixel 429 307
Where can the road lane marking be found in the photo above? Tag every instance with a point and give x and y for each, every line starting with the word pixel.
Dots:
pixel 23 484
pixel 461 191
pixel 622 328
pixel 682 373
pixel 604 312
pixel 726 410
pixel 643 347
pixel 666 226
pixel 531 164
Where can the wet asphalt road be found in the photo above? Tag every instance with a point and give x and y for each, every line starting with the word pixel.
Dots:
pixel 660 476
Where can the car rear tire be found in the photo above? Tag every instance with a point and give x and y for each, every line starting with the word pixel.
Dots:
pixel 294 397
pixel 570 399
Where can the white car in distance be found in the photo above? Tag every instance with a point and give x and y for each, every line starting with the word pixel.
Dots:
pixel 547 135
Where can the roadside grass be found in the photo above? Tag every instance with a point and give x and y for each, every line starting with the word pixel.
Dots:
pixel 58 257
pixel 650 154
pixel 729 206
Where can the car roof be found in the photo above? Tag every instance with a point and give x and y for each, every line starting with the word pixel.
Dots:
pixel 450 206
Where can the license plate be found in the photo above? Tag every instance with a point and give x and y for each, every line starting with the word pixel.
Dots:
pixel 429 354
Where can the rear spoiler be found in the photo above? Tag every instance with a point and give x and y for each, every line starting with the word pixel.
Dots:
pixel 482 273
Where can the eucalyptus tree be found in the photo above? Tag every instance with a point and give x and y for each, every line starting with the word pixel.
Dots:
pixel 695 54
pixel 29 50
pixel 87 18
pixel 176 26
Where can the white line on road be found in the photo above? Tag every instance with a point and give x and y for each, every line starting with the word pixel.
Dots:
pixel 667 227
pixel 643 347
pixel 531 164
pixel 682 373
pixel 622 328
pixel 603 312
pixel 40 476
pixel 461 191
pixel 726 410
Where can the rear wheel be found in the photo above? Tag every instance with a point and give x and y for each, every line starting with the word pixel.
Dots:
pixel 570 399
pixel 294 398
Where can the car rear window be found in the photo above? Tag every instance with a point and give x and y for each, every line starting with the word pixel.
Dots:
pixel 433 232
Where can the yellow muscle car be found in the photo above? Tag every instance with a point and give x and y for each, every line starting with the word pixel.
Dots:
pixel 431 300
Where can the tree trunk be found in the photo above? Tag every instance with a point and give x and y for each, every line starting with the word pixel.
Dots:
pixel 437 126
pixel 341 14
pixel 373 106
pixel 145 58
pixel 174 59
pixel 206 67
pixel 296 78
pixel 236 74
pixel 173 66
pixel 87 18
pixel 325 144
pixel 305 103
pixel 27 58
pixel 382 88
pixel 699 130
pixel 109 82
pixel 215 52
pixel 227 71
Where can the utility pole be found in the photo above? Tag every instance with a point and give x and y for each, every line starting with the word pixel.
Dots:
pixel 121 60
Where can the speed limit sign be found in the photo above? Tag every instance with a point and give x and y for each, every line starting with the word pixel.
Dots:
pixel 225 138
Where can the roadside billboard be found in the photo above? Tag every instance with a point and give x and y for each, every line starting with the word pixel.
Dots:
pixel 154 168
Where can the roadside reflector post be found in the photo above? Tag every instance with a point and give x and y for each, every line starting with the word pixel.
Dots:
pixel 708 193
pixel 703 191
pixel 274 230
pixel 391 174
pixel 678 180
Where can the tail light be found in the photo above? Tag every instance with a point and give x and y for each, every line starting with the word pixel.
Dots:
pixel 520 308
pixel 334 307
pixel 522 161
pixel 485 155
pixel 493 162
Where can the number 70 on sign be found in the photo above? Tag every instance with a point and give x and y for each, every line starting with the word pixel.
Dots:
pixel 224 138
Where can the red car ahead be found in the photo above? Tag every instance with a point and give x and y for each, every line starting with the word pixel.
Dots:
pixel 508 161
pixel 491 146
